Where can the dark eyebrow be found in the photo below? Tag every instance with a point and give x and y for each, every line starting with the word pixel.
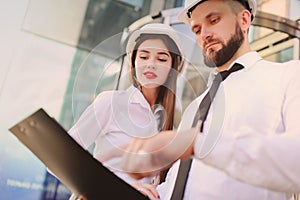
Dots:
pixel 143 50
pixel 161 53
pixel 212 14
pixel 206 17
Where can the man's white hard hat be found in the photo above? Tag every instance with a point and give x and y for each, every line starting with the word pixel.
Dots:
pixel 184 16
pixel 154 28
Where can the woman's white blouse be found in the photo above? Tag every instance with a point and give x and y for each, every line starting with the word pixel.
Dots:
pixel 114 118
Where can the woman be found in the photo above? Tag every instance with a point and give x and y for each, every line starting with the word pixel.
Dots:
pixel 146 107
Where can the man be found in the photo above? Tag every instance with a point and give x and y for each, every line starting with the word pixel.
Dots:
pixel 249 145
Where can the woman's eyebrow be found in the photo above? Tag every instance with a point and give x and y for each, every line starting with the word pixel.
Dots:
pixel 143 50
pixel 164 53
pixel 160 52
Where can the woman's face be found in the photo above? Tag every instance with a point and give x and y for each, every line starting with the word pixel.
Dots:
pixel 152 63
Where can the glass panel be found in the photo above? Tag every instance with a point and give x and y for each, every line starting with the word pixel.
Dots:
pixel 100 35
pixel 59 20
pixel 281 56
pixel 272 45
pixel 106 18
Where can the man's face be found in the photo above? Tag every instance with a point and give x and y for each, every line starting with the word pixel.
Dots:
pixel 220 57
pixel 217 32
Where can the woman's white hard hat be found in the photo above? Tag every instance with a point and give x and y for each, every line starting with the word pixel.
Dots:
pixel 154 28
pixel 184 15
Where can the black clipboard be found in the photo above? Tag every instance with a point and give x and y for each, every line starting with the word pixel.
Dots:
pixel 74 166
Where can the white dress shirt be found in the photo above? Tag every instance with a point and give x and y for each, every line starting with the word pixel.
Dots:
pixel 250 145
pixel 114 118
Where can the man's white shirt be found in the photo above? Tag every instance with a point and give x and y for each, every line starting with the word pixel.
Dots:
pixel 255 148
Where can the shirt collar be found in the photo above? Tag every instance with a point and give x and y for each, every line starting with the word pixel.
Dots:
pixel 247 60
pixel 136 97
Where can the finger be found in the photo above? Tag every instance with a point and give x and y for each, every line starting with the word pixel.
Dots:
pixel 135 162
pixel 147 192
pixel 152 189
pixel 159 152
pixel 81 198
pixel 139 163
pixel 136 157
pixel 115 151
pixel 135 145
pixel 120 150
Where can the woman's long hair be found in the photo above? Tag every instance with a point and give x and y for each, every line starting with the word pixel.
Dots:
pixel 167 92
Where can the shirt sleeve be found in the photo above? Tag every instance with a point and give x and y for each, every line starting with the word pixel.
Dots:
pixel 93 121
pixel 269 160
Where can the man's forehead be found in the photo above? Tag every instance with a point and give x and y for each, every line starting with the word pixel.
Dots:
pixel 209 8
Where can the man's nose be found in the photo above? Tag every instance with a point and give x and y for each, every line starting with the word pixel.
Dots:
pixel 205 33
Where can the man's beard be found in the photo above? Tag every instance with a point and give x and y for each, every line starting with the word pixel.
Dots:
pixel 222 56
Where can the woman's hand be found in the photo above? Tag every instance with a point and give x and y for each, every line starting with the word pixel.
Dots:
pixel 148 190
pixel 81 198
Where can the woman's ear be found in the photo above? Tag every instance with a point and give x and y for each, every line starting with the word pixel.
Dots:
pixel 245 20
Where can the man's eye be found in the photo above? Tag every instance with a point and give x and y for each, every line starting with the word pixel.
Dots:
pixel 215 20
pixel 197 31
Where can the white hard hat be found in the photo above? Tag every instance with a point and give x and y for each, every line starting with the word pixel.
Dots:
pixel 154 28
pixel 184 16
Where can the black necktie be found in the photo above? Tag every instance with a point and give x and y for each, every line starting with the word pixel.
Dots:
pixel 201 114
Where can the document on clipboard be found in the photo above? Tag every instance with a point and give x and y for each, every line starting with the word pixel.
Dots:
pixel 72 165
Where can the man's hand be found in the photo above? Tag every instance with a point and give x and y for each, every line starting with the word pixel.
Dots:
pixel 147 157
